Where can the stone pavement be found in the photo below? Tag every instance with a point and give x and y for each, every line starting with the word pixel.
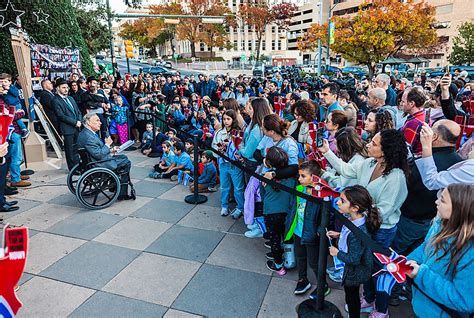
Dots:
pixel 153 257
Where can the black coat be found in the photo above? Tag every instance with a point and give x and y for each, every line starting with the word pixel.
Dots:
pixel 67 118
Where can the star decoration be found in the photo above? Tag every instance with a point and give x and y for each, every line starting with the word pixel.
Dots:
pixel 9 11
pixel 41 16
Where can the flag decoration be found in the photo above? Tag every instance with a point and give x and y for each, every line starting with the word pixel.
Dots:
pixel 12 264
pixel 322 189
pixel 237 137
pixel 319 158
pixel 279 102
pixel 205 131
pixel 395 265
pixel 6 119
pixel 184 178
pixel 360 120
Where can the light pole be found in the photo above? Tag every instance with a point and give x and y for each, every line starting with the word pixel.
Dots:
pixel 328 61
pixel 320 49
pixel 111 36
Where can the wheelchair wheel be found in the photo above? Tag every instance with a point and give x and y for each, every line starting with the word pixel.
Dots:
pixel 73 177
pixel 97 188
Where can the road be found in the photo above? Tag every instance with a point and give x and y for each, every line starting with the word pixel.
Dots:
pixel 135 67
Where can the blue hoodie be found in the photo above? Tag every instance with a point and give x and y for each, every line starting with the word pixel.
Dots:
pixel 433 280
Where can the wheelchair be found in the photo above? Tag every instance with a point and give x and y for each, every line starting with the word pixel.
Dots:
pixel 96 187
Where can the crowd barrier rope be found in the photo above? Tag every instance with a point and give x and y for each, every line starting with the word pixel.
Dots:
pixel 324 308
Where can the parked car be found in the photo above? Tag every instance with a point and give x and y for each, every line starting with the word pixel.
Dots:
pixel 257 70
pixel 159 70
pixel 438 72
pixel 358 71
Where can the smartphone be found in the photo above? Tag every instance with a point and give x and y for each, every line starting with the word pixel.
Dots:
pixel 446 70
pixel 319 137
pixel 428 115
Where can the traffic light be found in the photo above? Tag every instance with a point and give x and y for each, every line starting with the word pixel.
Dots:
pixel 128 48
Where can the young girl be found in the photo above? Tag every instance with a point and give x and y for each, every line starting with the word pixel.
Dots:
pixel 303 220
pixel 443 264
pixel 119 111
pixel 229 174
pixel 275 208
pixel 357 203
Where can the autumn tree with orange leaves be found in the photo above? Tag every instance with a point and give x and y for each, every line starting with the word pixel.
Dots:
pixel 380 29
pixel 259 14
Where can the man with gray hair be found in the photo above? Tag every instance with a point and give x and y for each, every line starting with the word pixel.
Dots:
pixel 376 100
pixel 383 81
pixel 100 151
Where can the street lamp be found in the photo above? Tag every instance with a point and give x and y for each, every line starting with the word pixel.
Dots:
pixel 328 61
pixel 111 36
pixel 320 49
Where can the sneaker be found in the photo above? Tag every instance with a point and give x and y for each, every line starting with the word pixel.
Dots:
pixel 174 178
pixel 365 306
pixel 212 189
pixel 376 314
pixel 302 286
pixel 336 276
pixel 224 212
pixel 254 233
pixel 269 256
pixel 154 175
pixel 279 269
pixel 21 184
pixel 346 308
pixel 314 294
pixel 25 133
pixel 237 213
pixel 252 226
pixel 267 244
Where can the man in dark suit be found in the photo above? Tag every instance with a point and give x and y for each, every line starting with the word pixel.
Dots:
pixel 100 151
pixel 69 119
pixel 46 97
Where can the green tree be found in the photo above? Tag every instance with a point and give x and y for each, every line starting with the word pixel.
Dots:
pixel 463 45
pixel 61 30
pixel 93 26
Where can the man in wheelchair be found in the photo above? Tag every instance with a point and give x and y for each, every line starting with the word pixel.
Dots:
pixel 103 152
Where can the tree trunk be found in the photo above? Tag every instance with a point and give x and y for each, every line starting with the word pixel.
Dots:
pixel 193 49
pixel 259 42
pixel 210 49
pixel 371 67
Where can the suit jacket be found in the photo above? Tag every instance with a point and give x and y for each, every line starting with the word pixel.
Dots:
pixel 67 118
pixel 96 148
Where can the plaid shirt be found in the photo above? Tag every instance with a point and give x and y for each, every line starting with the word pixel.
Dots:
pixel 411 130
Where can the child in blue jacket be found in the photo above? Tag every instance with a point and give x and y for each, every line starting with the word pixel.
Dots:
pixel 208 178
pixel 443 265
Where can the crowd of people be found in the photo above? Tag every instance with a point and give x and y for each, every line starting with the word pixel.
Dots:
pixel 399 152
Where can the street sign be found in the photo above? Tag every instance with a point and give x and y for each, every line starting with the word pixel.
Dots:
pixel 242 57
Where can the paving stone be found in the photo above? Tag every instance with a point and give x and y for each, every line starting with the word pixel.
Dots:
pixel 187 243
pixel 47 176
pixel 164 210
pixel 43 192
pixel 126 207
pixel 172 313
pixel 280 300
pixel 153 278
pixel 236 251
pixel 42 216
pixel 205 295
pixel 137 159
pixel 45 249
pixel 42 297
pixel 25 277
pixel 85 224
pixel 91 265
pixel 207 218
pixel 24 205
pixel 139 172
pixel 147 163
pixel 151 189
pixel 32 233
pixel 239 227
pixel 133 233
pixel 213 199
pixel 176 194
pixel 68 199
pixel 108 305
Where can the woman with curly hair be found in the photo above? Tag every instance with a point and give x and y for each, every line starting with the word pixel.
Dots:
pixel 304 112
pixel 443 264
pixel 383 174
pixel 377 119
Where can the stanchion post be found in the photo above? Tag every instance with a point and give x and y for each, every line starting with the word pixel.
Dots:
pixel 320 308
pixel 196 198
pixel 323 253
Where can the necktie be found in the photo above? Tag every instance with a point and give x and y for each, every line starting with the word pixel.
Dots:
pixel 68 102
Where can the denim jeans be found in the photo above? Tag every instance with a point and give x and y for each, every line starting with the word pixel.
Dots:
pixel 410 234
pixel 16 154
pixel 228 174
pixel 384 237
